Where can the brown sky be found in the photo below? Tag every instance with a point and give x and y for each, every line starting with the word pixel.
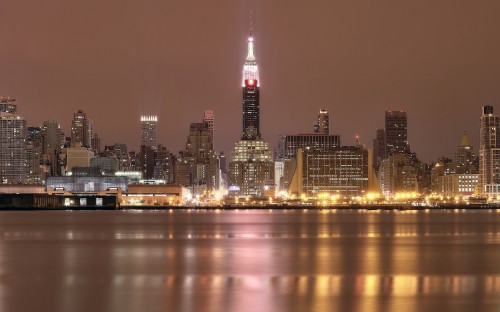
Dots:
pixel 439 60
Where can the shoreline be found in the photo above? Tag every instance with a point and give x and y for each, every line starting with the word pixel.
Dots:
pixel 395 207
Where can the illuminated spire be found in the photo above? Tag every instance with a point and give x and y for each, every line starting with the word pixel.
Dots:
pixel 250 55
pixel 250 69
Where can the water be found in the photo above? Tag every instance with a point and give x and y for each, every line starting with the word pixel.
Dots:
pixel 250 261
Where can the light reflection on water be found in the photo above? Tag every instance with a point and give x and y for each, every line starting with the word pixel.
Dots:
pixel 323 285
pixel 250 260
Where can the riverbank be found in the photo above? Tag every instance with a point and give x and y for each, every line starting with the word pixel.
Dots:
pixel 396 207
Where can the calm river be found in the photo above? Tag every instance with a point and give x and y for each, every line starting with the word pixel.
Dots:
pixel 250 261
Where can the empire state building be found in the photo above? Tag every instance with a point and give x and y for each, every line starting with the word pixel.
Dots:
pixel 251 86
pixel 251 167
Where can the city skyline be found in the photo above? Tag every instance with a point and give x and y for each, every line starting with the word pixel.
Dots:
pixel 440 66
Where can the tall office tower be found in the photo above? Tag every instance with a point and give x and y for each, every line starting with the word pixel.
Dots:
pixel 148 131
pixel 81 129
pixel 51 133
pixel 147 161
pixel 208 119
pixel 379 148
pixel 89 134
pixel 396 132
pixel 251 88
pixel 34 144
pixel 12 143
pixel 251 167
pixel 323 125
pixel 489 152
pixel 52 143
pixel 96 143
pixel 464 156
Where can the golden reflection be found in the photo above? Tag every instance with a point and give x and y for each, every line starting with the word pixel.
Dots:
pixel 321 291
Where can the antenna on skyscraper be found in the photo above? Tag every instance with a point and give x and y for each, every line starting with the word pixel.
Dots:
pixel 251 23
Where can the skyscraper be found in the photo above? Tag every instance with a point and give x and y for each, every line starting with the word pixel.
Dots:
pixel 198 165
pixel 148 131
pixel 81 129
pixel 396 132
pixel 251 168
pixel 465 153
pixel 96 143
pixel 51 133
pixel 34 155
pixel 251 88
pixel 379 148
pixel 323 125
pixel 52 142
pixel 12 143
pixel 208 119
pixel 489 152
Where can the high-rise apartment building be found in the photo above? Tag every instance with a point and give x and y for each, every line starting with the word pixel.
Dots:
pixel 198 164
pixel 489 152
pixel 396 132
pixel 81 130
pixel 148 131
pixel 323 125
pixel 251 167
pixel 12 143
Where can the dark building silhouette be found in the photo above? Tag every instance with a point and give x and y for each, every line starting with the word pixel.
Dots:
pixel 379 148
pixel 396 132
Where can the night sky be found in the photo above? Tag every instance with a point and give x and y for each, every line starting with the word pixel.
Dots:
pixel 116 60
